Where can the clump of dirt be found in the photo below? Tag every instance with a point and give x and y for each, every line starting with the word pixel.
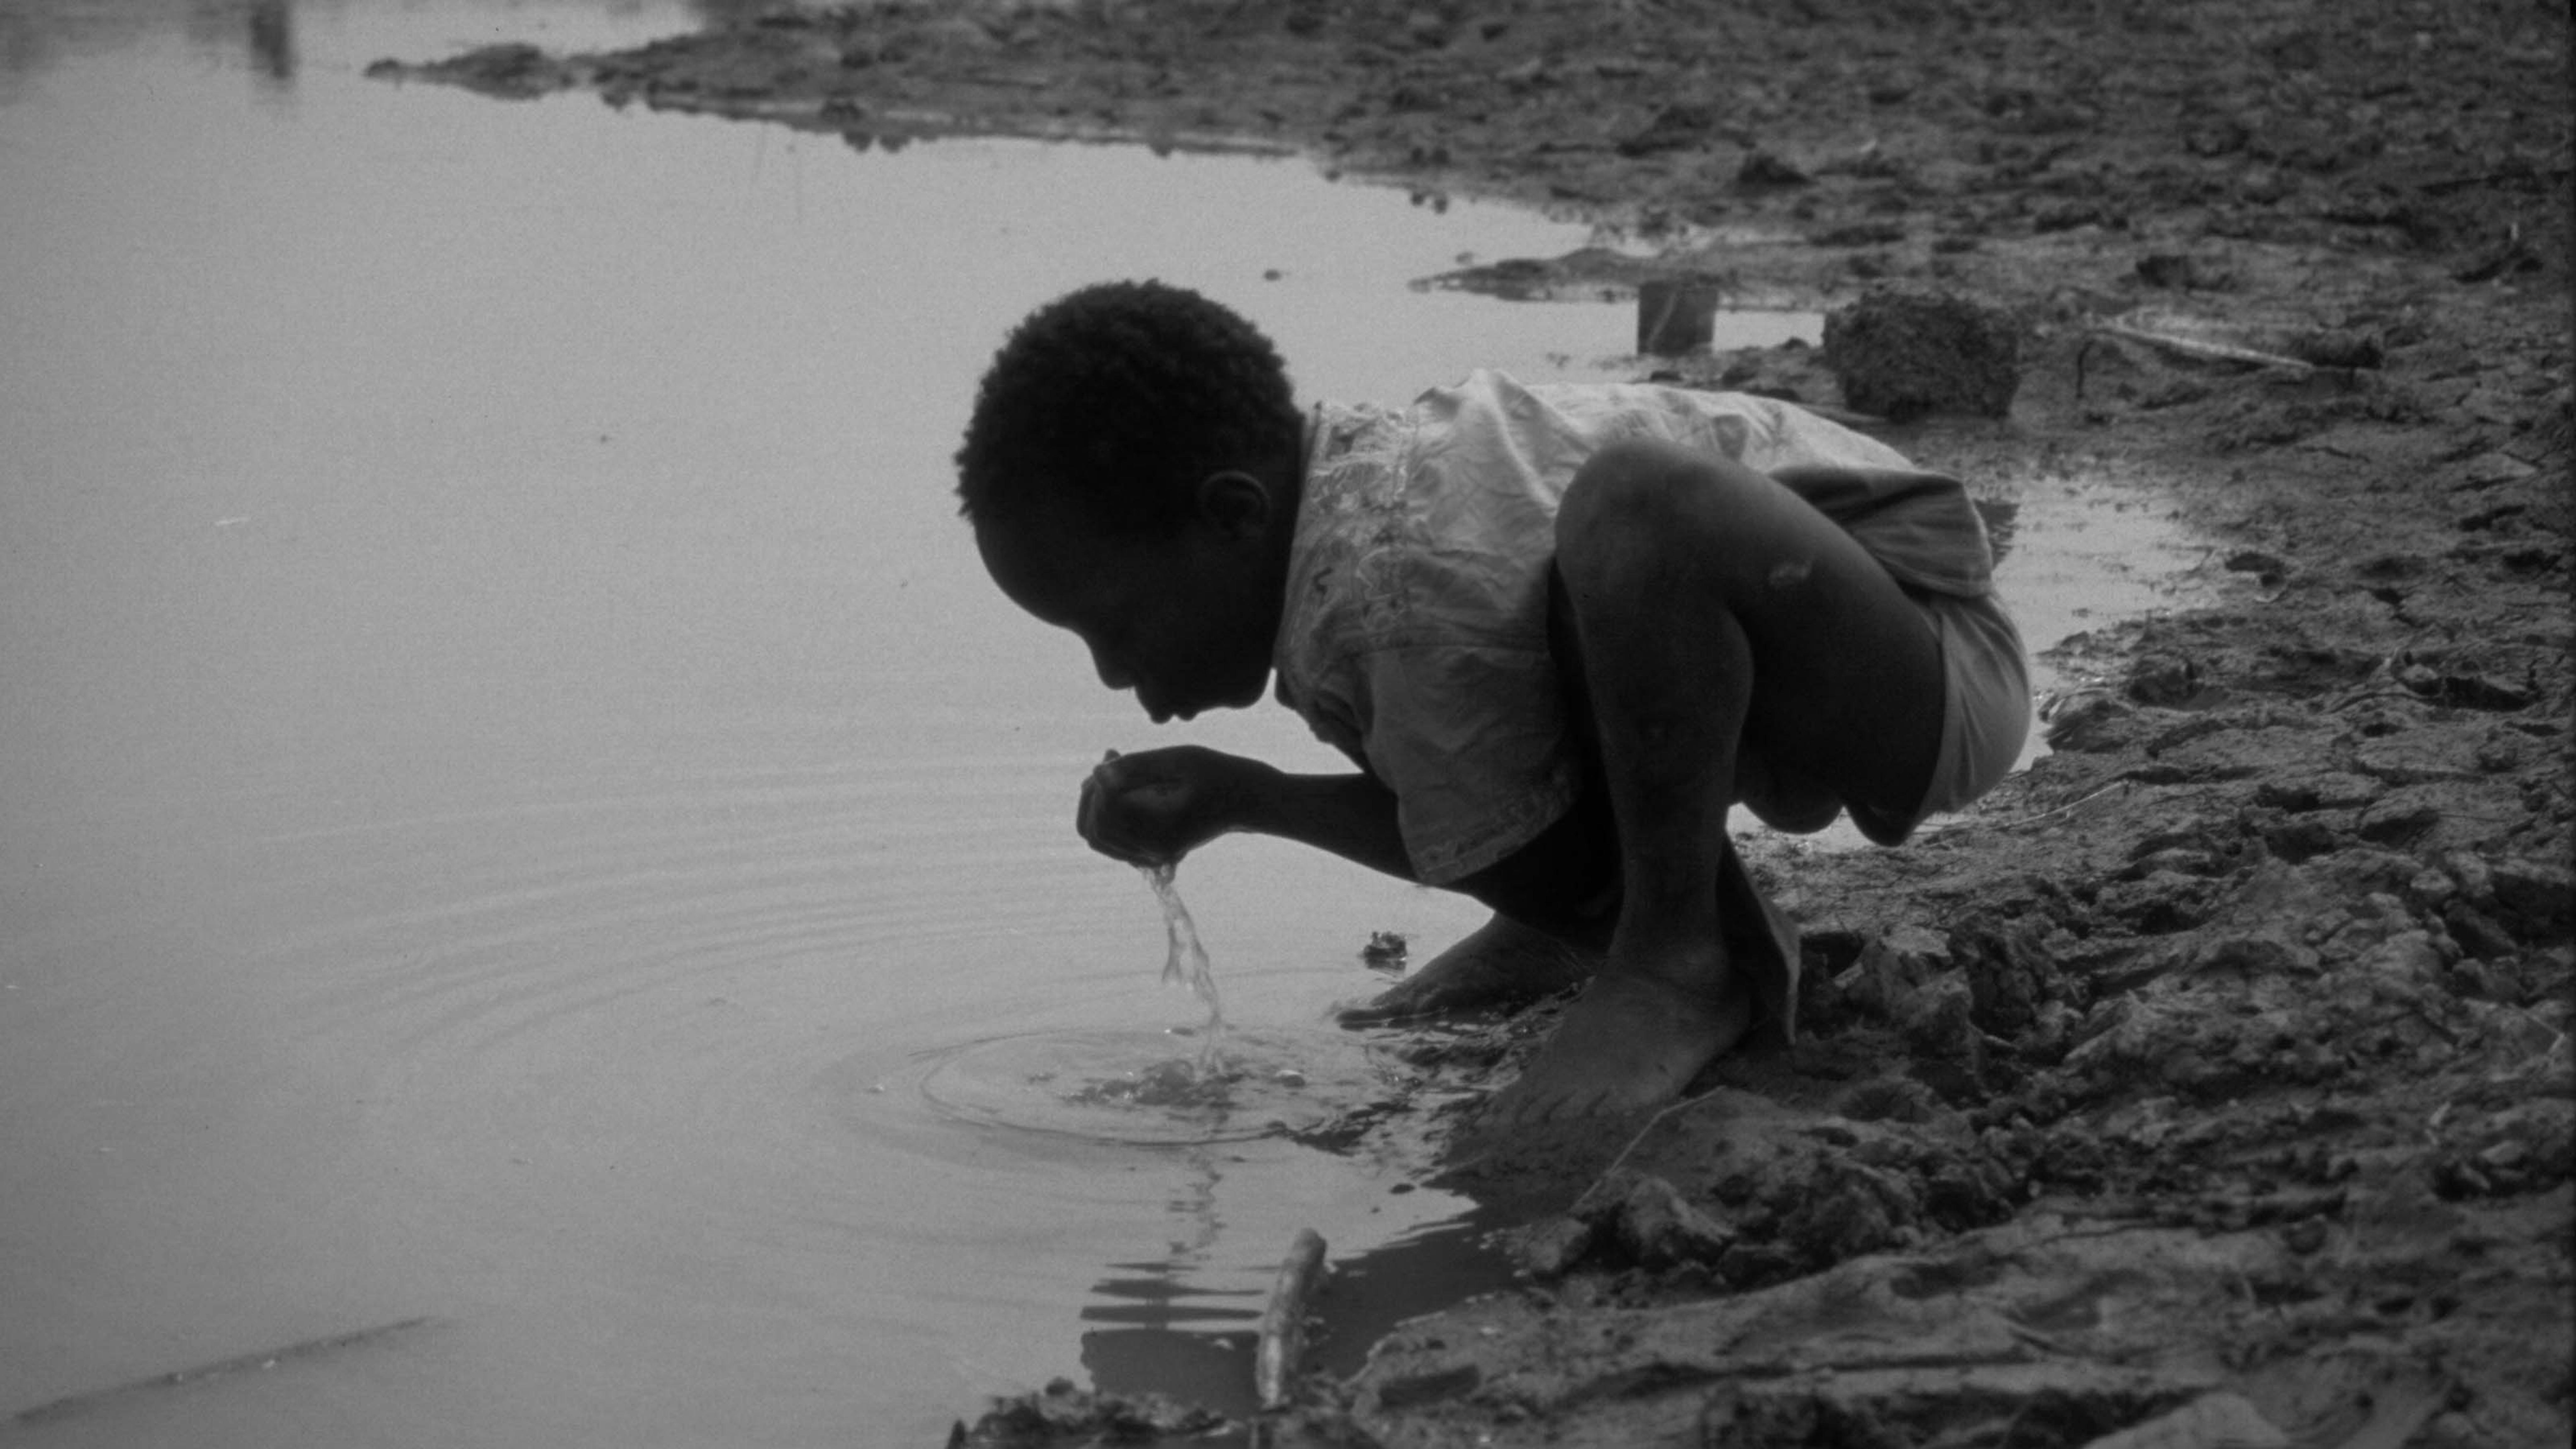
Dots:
pixel 1902 354
pixel 2211 1081
pixel 1062 1413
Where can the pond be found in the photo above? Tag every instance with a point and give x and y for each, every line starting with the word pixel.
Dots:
pixel 515 778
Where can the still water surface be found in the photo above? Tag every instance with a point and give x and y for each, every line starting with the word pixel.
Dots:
pixel 513 773
pixel 513 776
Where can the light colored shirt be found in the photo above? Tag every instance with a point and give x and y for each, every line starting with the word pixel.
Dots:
pixel 1414 635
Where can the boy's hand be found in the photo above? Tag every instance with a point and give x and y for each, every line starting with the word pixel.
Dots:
pixel 1155 807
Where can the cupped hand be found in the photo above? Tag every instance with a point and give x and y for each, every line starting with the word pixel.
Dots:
pixel 1155 807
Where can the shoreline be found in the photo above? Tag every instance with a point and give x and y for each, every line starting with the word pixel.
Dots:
pixel 2217 1065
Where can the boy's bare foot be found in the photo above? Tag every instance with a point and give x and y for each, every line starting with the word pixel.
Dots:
pixel 1500 963
pixel 1631 1042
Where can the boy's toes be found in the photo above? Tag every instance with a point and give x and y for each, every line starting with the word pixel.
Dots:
pixel 1517 1106
pixel 1565 1145
pixel 1402 1002
pixel 1625 1046
pixel 1429 996
pixel 1528 1104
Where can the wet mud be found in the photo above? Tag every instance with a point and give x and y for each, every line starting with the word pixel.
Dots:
pixel 2208 1083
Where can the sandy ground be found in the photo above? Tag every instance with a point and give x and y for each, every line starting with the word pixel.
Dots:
pixel 2211 1081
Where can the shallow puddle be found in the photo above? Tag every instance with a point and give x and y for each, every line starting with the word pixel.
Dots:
pixel 518 789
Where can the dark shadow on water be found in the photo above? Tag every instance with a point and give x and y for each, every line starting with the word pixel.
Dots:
pixel 1166 1338
pixel 2002 517
pixel 1430 1268
pixel 272 41
pixel 1213 1371
pixel 34 34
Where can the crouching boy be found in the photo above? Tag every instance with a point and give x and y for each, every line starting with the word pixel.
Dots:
pixel 1558 630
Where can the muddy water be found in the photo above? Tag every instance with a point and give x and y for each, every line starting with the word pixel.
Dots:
pixel 514 778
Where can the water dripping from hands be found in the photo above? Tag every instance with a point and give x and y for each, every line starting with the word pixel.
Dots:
pixel 1186 960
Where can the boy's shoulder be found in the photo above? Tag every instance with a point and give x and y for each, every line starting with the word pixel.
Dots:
pixel 1412 533
pixel 1357 466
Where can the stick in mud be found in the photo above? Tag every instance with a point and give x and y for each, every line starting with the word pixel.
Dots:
pixel 64 1408
pixel 1283 1322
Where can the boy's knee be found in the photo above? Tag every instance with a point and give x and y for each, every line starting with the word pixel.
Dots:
pixel 1622 487
pixel 1636 494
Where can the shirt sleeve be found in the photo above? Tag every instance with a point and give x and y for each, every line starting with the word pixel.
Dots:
pixel 1471 740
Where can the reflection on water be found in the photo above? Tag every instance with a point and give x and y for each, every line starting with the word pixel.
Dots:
pixel 2002 518
pixel 1170 1334
pixel 1173 1335
pixel 257 34
pixel 272 39
pixel 1412 1274
pixel 515 773
pixel 260 37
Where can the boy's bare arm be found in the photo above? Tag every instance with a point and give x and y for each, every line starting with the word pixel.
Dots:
pixel 1160 805
pixel 1352 816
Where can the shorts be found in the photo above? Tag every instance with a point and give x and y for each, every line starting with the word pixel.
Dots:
pixel 1985 710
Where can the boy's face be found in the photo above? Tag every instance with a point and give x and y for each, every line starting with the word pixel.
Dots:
pixel 1186 620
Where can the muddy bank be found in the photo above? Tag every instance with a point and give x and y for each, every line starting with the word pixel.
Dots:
pixel 2212 1078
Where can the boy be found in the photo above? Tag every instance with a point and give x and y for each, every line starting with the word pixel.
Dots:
pixel 1559 630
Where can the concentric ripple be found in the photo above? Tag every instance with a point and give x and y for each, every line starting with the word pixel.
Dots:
pixel 1146 1087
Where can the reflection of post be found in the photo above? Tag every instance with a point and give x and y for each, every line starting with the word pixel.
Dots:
pixel 1161 1340
pixel 1280 1354
pixel 1196 1207
pixel 1675 315
pixel 2000 516
pixel 272 39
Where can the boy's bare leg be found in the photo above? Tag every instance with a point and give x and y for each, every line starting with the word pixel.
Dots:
pixel 1668 675
pixel 1500 963
pixel 1707 603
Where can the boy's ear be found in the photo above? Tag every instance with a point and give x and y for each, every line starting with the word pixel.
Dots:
pixel 1235 503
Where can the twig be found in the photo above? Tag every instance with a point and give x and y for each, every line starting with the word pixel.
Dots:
pixel 65 1408
pixel 1283 1322
pixel 2123 784
pixel 2361 695
pixel 2448 184
pixel 2205 351
pixel 1651 1124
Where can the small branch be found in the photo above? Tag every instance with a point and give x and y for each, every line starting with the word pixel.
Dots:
pixel 2122 784
pixel 2204 351
pixel 265 1359
pixel 1283 1323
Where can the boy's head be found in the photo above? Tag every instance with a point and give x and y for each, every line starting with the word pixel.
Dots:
pixel 1132 474
pixel 1119 398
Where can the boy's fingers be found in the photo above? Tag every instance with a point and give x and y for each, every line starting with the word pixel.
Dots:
pixel 1102 800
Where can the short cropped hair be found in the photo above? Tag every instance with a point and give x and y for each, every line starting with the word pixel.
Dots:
pixel 1124 395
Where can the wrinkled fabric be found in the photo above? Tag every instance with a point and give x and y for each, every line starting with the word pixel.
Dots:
pixel 1414 636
